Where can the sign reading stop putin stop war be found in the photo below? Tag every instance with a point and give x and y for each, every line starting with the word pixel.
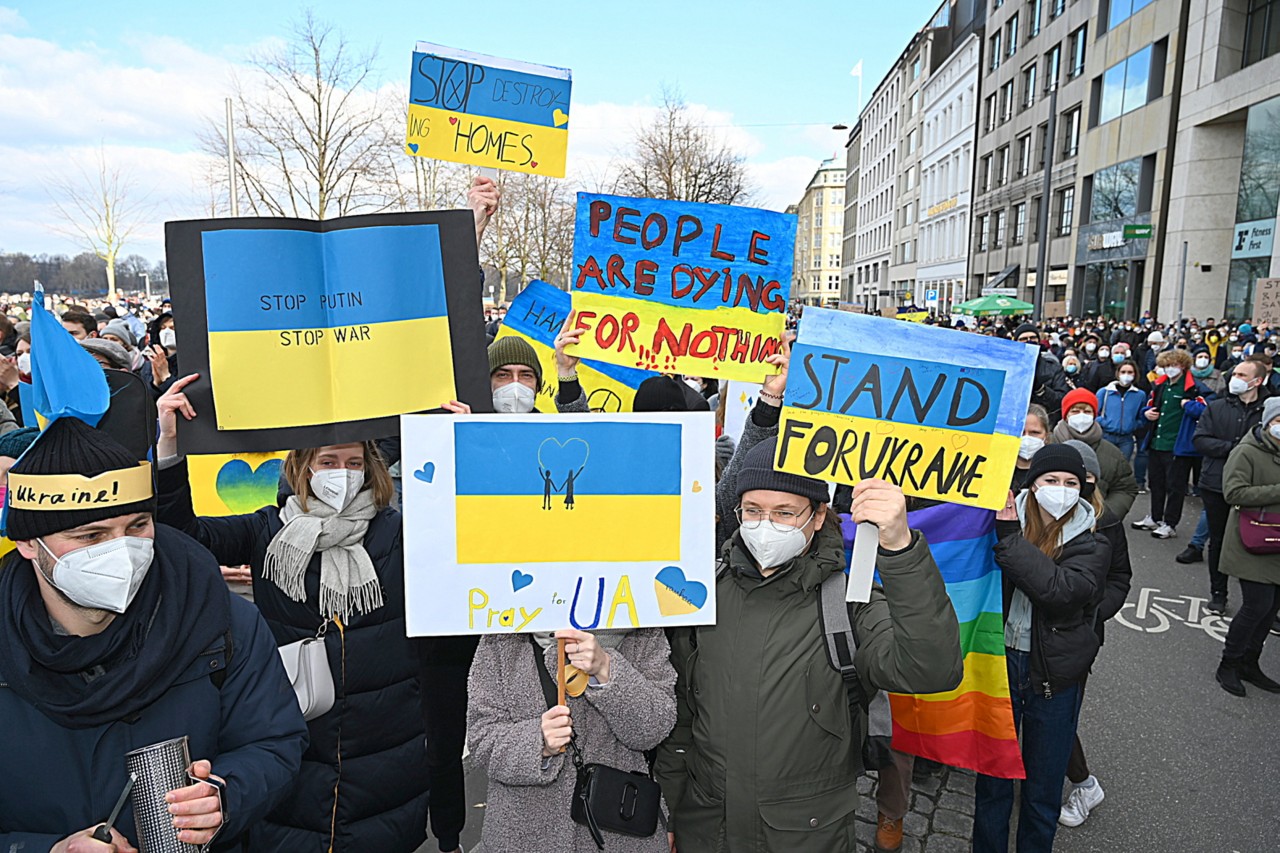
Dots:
pixel 679 287
pixel 487 111
pixel 935 411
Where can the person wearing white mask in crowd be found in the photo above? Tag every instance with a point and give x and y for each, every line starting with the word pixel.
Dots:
pixel 1080 422
pixel 1035 435
pixel 1203 370
pixel 329 562
pixel 1054 566
pixel 1120 406
pixel 1176 401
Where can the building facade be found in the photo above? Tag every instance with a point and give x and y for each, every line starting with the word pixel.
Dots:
pixel 819 236
pixel 877 193
pixel 914 73
pixel 848 247
pixel 946 177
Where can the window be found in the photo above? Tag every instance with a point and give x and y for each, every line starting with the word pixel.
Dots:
pixel 1076 42
pixel 1261 30
pixel 989 124
pixel 984 222
pixel 1011 35
pixel 1122 9
pixel 1052 67
pixel 1066 210
pixel 1042 133
pixel 985 176
pixel 1019 224
pixel 1124 86
pixel 911 143
pixel 1033 18
pixel 996 52
pixel 1059 6
pixel 1006 101
pixel 1115 192
pixel 1002 166
pixel 1024 155
pixel 1028 86
pixel 915 69
pixel 1071 133
pixel 817 219
pixel 997 238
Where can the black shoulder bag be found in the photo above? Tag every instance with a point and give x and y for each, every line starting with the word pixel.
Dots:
pixel 605 798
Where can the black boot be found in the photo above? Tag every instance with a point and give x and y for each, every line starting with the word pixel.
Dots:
pixel 1190 554
pixel 1250 672
pixel 1218 603
pixel 1229 677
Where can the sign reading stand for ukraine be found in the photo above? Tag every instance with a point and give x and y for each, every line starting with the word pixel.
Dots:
pixel 307 333
pixel 680 287
pixel 537 314
pixel 517 523
pixel 937 412
pixel 488 111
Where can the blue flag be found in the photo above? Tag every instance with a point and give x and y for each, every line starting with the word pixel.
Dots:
pixel 65 380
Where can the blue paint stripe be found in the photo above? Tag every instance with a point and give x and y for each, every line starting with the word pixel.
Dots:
pixel 449 83
pixel 972 598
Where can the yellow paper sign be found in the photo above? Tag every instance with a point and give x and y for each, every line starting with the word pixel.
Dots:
pixel 234 483
pixel 73 491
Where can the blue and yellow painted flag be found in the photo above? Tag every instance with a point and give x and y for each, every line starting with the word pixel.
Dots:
pixel 488 111
pixel 65 380
pixel 354 325
pixel 936 412
pixel 536 315
pixel 523 483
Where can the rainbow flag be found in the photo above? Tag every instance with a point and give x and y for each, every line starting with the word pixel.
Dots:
pixel 971 726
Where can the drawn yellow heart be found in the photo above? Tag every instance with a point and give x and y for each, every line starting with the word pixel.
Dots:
pixel 560 117
pixel 959 440
pixel 697 487
pixel 883 427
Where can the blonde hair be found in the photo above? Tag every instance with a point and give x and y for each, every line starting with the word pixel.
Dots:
pixel 297 473
pixel 1174 357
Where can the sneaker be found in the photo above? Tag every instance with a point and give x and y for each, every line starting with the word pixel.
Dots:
pixel 1147 523
pixel 1275 627
pixel 1083 799
pixel 888 835
pixel 1164 531
pixel 1217 604
pixel 1190 554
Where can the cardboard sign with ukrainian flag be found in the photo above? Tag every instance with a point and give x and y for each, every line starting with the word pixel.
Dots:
pixel 537 315
pixel 517 523
pixel 488 111
pixel 935 411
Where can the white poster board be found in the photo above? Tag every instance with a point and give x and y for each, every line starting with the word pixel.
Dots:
pixel 517 523
pixel 740 400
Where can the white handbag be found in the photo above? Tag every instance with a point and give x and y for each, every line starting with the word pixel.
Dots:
pixel 307 665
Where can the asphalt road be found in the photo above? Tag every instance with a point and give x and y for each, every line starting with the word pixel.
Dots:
pixel 1185 766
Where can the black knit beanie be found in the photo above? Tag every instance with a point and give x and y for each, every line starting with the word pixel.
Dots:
pixel 1056 457
pixel 1024 328
pixel 661 394
pixel 757 473
pixel 69 446
pixel 514 350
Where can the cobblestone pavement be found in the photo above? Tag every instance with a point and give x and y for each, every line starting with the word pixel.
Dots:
pixel 940 819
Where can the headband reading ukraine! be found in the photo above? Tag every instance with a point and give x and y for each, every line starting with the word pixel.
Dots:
pixel 65 491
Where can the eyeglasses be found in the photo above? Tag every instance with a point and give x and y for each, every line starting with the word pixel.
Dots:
pixel 780 520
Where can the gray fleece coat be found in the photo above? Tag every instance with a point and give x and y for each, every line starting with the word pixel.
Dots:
pixel 529 798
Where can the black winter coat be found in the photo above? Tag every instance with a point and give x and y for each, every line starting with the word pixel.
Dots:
pixel 363 784
pixel 1064 595
pixel 1119 573
pixel 1224 422
pixel 1050 386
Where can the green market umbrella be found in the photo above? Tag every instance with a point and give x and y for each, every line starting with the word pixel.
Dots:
pixel 993 306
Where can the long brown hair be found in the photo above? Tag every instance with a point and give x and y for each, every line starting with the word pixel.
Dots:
pixel 1046 537
pixel 297 473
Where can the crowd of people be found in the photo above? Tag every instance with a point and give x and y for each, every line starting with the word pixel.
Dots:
pixel 121 628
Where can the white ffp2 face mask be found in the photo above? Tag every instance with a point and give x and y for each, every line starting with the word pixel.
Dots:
pixel 1057 500
pixel 772 547
pixel 1173 372
pixel 104 576
pixel 168 339
pixel 24 364
pixel 1080 422
pixel 336 487
pixel 1237 385
pixel 514 398
pixel 1029 446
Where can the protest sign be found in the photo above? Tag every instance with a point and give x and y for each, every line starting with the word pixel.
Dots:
pixel 234 483
pixel 488 111
pixel 310 333
pixel 739 400
pixel 937 412
pixel 679 287
pixel 602 521
pixel 1266 302
pixel 537 315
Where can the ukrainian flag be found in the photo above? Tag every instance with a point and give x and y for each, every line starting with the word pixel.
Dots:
pixel 353 322
pixel 567 493
pixel 65 380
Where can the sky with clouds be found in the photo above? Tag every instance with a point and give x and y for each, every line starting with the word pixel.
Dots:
pixel 137 79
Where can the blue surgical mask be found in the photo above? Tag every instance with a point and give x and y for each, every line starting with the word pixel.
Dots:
pixel 1117 358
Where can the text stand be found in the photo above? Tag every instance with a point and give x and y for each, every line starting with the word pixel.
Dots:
pixel 862 565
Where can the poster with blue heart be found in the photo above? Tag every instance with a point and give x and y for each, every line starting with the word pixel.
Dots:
pixel 518 523
pixel 234 483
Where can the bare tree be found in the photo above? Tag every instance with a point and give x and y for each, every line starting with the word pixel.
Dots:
pixel 673 157
pixel 531 237
pixel 310 139
pixel 100 211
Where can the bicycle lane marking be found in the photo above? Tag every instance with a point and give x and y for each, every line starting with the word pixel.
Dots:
pixel 1154 613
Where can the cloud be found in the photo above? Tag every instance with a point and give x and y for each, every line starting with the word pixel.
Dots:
pixel 11 20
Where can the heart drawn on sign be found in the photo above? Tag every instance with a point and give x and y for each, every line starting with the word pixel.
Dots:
pixel 561 458
pixel 959 440
pixel 560 118
pixel 519 580
pixel 677 595
pixel 533 163
pixel 426 473
pixel 244 489
pixel 453 119
pixel 413 147
pixel 697 487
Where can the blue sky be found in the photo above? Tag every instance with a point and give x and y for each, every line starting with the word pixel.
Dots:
pixel 137 77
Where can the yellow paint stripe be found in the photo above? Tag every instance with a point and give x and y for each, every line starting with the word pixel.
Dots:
pixel 484 141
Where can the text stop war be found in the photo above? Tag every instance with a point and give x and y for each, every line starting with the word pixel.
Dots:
pixel 315 337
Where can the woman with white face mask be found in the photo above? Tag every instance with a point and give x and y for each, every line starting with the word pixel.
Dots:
pixel 1120 406
pixel 328 562
pixel 1080 422
pixel 1054 566
pixel 1035 435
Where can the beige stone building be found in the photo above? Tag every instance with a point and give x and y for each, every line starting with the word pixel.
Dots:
pixel 819 237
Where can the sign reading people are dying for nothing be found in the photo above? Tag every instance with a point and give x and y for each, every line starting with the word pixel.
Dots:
pixel 487 111
pixel 309 333
pixel 679 287
pixel 602 522
pixel 935 411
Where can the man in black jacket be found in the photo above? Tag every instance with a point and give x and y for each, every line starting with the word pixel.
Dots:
pixel 1225 421
pixel 1050 384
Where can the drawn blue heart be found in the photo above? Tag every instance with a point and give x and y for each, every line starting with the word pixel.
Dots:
pixel 561 458
pixel 677 595
pixel 413 146
pixel 426 473
pixel 244 489
pixel 519 580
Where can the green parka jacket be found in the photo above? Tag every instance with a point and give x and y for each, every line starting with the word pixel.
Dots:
pixel 1251 479
pixel 765 753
